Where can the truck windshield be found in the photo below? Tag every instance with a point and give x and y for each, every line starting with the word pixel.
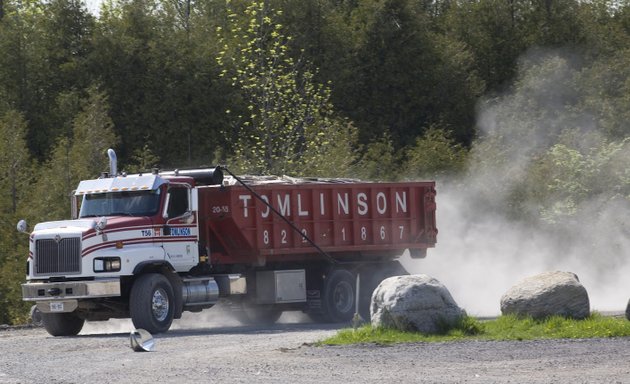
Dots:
pixel 136 203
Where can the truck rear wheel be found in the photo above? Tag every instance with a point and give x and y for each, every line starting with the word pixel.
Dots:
pixel 249 313
pixel 151 303
pixel 338 297
pixel 62 324
pixel 260 314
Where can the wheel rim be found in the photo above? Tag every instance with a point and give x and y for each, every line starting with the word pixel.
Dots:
pixel 159 304
pixel 343 297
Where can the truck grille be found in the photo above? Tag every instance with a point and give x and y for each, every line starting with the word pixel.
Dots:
pixel 58 257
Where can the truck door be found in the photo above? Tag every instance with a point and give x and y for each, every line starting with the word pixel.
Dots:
pixel 180 231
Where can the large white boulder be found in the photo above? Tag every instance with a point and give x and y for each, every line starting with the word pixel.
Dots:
pixel 547 294
pixel 417 303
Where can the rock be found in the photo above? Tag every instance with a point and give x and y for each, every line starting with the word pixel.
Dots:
pixel 417 303
pixel 547 294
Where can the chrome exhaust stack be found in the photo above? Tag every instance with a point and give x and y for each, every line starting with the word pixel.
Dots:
pixel 113 166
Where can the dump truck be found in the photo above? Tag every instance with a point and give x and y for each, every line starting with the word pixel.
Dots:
pixel 150 246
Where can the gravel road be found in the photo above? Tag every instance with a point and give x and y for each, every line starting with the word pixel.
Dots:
pixel 217 352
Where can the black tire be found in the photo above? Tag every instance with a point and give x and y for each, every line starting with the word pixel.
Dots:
pixel 628 310
pixel 338 297
pixel 151 303
pixel 62 324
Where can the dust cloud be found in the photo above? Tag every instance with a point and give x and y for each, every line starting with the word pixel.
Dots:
pixel 479 259
pixel 482 248
pixel 209 319
pixel 215 317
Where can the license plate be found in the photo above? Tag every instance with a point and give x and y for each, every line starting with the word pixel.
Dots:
pixel 56 306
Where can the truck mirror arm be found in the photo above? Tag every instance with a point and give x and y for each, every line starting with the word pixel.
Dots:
pixel 184 216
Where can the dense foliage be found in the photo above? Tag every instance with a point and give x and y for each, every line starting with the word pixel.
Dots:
pixel 537 92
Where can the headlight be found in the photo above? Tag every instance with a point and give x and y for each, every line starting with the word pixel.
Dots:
pixel 107 264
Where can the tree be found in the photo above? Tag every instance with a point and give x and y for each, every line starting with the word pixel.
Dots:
pixel 81 156
pixel 143 159
pixel 289 124
pixel 321 30
pixel 57 64
pixel 379 161
pixel 569 179
pixel 17 32
pixel 14 248
pixel 556 146
pixel 405 76
pixel 434 155
pixel 123 59
pixel 15 177
pixel 494 31
pixel 161 78
pixel 555 23
pixel 14 159
pixel 607 79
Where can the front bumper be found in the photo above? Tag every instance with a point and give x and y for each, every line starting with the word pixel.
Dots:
pixel 36 291
pixel 64 296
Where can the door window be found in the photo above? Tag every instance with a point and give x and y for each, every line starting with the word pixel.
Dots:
pixel 178 202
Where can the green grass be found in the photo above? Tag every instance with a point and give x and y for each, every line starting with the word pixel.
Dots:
pixel 503 328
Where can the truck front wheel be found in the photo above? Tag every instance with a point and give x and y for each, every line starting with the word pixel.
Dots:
pixel 151 303
pixel 62 324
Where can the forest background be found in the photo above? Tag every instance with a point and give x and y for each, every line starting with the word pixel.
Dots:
pixel 519 108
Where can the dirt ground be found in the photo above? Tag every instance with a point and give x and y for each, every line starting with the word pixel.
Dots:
pixel 218 352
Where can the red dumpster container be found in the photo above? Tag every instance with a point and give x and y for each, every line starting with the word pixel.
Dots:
pixel 349 221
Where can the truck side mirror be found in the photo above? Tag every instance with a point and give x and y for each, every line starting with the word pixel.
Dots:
pixel 188 217
pixel 22 226
pixel 101 224
pixel 167 202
